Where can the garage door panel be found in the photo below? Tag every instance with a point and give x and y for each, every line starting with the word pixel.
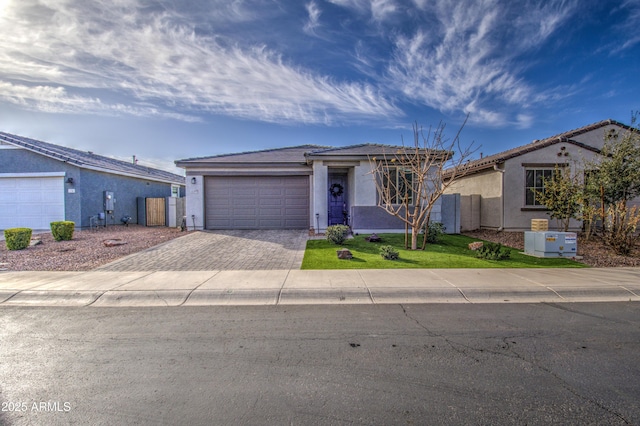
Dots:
pixel 243 202
pixel 294 192
pixel 31 202
pixel 256 202
pixel 295 224
pixel 296 202
pixel 271 212
pixel 271 202
pixel 270 191
pixel 293 211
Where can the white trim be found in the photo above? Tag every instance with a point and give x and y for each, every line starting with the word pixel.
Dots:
pixel 7 146
pixel 28 175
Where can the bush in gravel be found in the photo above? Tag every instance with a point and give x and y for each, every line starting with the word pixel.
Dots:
pixel 493 251
pixel 389 253
pixel 337 233
pixel 17 238
pixel 62 230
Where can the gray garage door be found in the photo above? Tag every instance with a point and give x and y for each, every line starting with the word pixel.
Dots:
pixel 257 202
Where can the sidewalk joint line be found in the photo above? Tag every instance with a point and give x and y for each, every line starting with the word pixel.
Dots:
pixel 462 293
pixel 282 287
pixel 96 299
pixel 537 283
pixel 373 301
pixel 630 291
pixel 197 287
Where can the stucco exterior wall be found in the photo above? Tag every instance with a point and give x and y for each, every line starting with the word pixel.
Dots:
pixel 517 214
pixel 86 196
pixel 488 185
pixel 365 195
pixel 195 202
pixel 367 217
pixel 596 137
pixel 126 190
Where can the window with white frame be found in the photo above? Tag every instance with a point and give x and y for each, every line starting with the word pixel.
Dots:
pixel 175 191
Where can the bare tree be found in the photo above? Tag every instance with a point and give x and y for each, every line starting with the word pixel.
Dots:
pixel 411 180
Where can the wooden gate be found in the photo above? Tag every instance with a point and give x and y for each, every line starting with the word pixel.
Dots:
pixel 155 211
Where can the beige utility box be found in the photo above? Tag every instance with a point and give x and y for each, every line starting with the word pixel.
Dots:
pixel 538 225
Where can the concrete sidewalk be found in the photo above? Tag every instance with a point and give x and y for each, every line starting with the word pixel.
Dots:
pixel 287 287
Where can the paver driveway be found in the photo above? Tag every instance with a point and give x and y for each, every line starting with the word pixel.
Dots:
pixel 220 250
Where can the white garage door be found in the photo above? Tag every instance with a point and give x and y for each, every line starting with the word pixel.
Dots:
pixel 31 202
pixel 257 202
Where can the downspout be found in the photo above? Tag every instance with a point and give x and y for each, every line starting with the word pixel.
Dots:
pixel 501 171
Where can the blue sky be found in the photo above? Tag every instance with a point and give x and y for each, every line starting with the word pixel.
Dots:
pixel 168 79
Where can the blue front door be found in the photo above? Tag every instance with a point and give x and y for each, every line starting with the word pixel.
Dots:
pixel 338 210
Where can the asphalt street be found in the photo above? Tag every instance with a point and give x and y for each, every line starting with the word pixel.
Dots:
pixel 543 363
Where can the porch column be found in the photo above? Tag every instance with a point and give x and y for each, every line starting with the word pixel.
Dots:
pixel 320 188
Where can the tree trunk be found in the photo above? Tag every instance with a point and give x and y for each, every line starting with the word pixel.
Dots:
pixel 414 237
pixel 426 231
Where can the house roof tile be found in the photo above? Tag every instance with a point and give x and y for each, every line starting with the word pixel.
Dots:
pixel 89 160
pixel 491 160
pixel 293 154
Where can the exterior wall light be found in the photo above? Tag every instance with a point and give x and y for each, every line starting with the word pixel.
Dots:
pixel 193 180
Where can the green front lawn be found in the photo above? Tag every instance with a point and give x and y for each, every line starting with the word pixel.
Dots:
pixel 451 252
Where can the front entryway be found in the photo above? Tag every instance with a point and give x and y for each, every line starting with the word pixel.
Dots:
pixel 338 210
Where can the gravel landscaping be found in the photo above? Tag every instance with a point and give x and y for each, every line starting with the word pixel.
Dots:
pixel 594 252
pixel 86 250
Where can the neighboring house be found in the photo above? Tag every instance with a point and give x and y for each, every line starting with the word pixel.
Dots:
pixel 42 182
pixel 498 191
pixel 298 187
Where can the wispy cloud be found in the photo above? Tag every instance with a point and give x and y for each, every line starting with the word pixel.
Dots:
pixel 629 26
pixel 314 17
pixel 467 60
pixel 379 10
pixel 155 56
pixel 57 100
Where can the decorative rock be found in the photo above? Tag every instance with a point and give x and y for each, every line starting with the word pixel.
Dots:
pixel 35 241
pixel 476 245
pixel 373 238
pixel 113 243
pixel 344 254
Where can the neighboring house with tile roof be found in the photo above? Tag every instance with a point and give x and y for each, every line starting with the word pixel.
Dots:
pixel 42 182
pixel 299 187
pixel 498 191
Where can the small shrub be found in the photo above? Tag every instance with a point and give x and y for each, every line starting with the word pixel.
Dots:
pixel 389 253
pixel 62 230
pixel 337 233
pixel 434 232
pixel 17 238
pixel 621 225
pixel 493 251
